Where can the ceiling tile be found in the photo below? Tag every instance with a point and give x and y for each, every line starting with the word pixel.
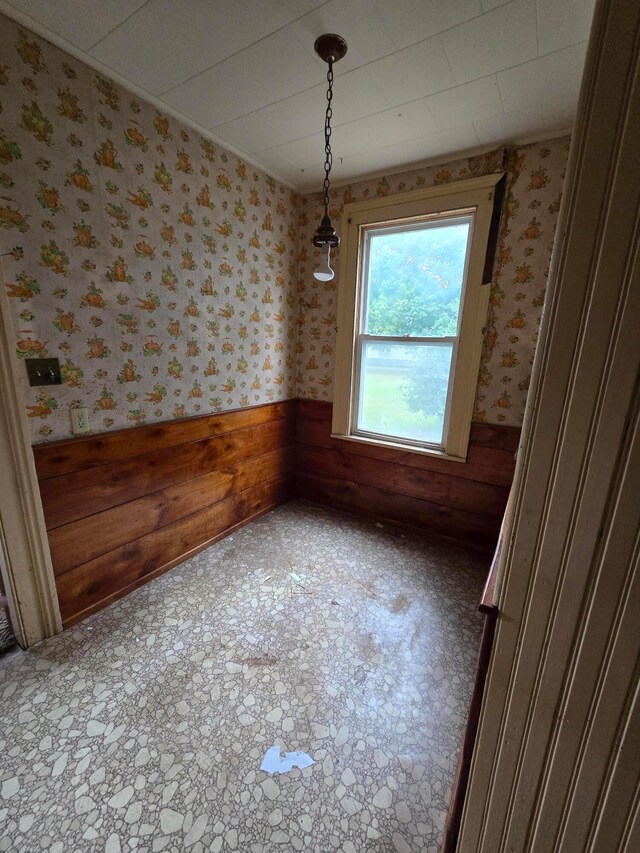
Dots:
pixel 488 5
pixel 530 84
pixel 464 104
pixel 510 126
pixel 499 39
pixel 563 24
pixel 302 152
pixel 162 45
pixel 382 129
pixel 65 18
pixel 357 21
pixel 355 96
pixel 448 143
pixel 558 112
pixel 248 81
pixel 410 21
pixel 413 72
pixel 380 160
pixel 278 123
pixel 309 178
pixel 387 128
pixel 392 158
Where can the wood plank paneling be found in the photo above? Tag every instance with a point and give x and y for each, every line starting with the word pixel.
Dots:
pixel 491 463
pixel 433 486
pixel 88 587
pixel 75 454
pixel 460 501
pixel 387 506
pixel 94 490
pixel 122 507
pixel 88 537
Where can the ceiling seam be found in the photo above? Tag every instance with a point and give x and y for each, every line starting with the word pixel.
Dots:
pixel 338 73
pixel 119 24
pixel 436 159
pixel 404 104
pixel 63 44
pixel 243 49
pixel 446 56
pixel 365 65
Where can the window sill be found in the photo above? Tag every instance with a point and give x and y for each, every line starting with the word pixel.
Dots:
pixel 396 445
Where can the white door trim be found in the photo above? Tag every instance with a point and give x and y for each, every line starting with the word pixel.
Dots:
pixel 555 763
pixel 26 568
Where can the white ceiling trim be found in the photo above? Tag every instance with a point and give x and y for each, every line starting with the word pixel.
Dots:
pixel 44 31
pixel 82 55
pixel 439 159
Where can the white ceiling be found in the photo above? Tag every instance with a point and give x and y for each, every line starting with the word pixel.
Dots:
pixel 421 78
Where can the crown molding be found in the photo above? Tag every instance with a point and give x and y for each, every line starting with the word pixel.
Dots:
pixel 83 56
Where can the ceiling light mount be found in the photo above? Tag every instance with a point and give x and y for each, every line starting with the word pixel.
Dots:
pixel 330 48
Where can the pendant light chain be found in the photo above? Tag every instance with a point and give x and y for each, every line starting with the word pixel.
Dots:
pixel 330 48
pixel 328 162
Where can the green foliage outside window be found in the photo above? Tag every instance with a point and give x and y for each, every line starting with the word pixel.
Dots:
pixel 415 281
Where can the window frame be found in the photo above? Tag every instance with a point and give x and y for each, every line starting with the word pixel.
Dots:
pixel 474 195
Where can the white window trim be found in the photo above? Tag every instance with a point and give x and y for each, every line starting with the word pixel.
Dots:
pixel 474 193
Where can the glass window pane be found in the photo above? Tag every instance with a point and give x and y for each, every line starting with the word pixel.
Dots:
pixel 414 278
pixel 403 389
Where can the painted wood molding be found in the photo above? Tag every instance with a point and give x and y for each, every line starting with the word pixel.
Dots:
pixel 555 764
pixel 26 566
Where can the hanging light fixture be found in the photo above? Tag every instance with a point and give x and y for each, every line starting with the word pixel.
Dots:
pixel 331 48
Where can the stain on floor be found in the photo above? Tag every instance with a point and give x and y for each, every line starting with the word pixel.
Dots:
pixel 400 604
pixel 143 728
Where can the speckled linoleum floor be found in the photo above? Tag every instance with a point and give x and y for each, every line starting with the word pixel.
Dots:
pixel 143 728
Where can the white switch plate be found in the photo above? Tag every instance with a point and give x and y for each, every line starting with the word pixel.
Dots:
pixel 80 421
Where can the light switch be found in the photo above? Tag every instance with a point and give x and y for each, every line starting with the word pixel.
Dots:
pixel 43 371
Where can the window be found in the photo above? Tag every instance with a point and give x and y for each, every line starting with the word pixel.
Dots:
pixel 412 304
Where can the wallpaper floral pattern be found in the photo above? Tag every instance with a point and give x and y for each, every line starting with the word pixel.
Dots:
pixel 171 279
pixel 159 268
pixel 535 176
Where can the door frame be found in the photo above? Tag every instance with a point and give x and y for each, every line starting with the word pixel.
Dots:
pixel 25 559
pixel 555 760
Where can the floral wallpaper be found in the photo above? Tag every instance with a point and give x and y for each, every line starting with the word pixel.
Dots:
pixel 172 279
pixel 159 268
pixel 535 175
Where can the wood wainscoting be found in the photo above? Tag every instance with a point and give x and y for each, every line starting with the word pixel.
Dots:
pixel 123 507
pixel 464 502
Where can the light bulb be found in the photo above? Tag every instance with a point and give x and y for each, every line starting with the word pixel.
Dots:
pixel 324 271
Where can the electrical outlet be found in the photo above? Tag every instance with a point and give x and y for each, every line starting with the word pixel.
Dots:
pixel 80 421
